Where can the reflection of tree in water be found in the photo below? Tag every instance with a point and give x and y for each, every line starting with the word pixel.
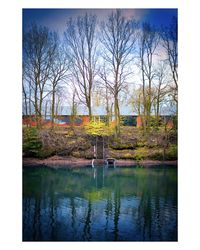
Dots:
pixel 144 215
pixel 158 214
pixel 51 210
pixel 52 214
pixel 117 204
pixel 36 220
pixel 73 214
pixel 98 175
pixel 87 227
pixel 156 198
pixel 113 203
pixel 27 219
pixel 108 211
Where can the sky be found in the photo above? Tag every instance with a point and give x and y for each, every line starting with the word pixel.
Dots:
pixel 56 19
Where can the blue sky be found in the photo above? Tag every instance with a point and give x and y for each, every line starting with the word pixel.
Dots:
pixel 56 19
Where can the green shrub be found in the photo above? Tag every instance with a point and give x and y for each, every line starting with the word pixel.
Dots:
pixel 76 154
pixel 89 154
pixel 141 154
pixel 154 122
pixel 171 152
pixel 156 154
pixel 127 156
pixel 98 129
pixel 175 122
pixel 141 144
pixel 138 157
pixel 45 152
pixel 31 142
pixel 122 143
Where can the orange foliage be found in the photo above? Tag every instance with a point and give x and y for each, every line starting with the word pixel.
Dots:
pixel 85 120
pixel 139 122
pixel 31 121
pixel 170 124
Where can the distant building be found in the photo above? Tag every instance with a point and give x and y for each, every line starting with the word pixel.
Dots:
pixel 63 119
pixel 81 120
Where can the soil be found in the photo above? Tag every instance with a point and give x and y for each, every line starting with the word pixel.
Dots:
pixel 59 161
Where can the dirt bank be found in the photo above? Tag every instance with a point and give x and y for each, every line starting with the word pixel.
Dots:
pixel 58 161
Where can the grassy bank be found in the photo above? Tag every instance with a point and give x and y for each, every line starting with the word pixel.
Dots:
pixel 132 144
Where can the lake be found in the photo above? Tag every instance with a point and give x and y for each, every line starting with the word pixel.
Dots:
pixel 100 204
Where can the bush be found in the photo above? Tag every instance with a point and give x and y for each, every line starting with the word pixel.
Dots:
pixel 78 154
pixel 156 154
pixel 45 152
pixel 98 129
pixel 31 142
pixel 89 154
pixel 141 154
pixel 127 156
pixel 123 143
pixel 172 152
pixel 175 122
pixel 154 122
pixel 141 144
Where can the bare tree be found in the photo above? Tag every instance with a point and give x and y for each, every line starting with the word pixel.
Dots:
pixel 25 100
pixel 118 38
pixel 170 43
pixel 161 88
pixel 106 92
pixel 59 70
pixel 136 100
pixel 38 50
pixel 47 105
pixel 26 94
pixel 148 43
pixel 82 50
pixel 74 109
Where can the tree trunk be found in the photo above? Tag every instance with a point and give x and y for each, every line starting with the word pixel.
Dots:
pixel 25 101
pixel 157 111
pixel 144 109
pixel 90 111
pixel 53 107
pixel 36 109
pixel 107 107
pixel 117 116
pixel 143 93
pixel 148 113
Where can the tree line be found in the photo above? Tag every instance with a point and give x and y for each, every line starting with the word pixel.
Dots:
pixel 111 63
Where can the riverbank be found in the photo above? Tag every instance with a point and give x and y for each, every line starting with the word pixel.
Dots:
pixel 59 161
pixel 77 147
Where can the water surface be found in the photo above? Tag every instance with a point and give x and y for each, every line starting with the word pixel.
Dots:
pixel 101 204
